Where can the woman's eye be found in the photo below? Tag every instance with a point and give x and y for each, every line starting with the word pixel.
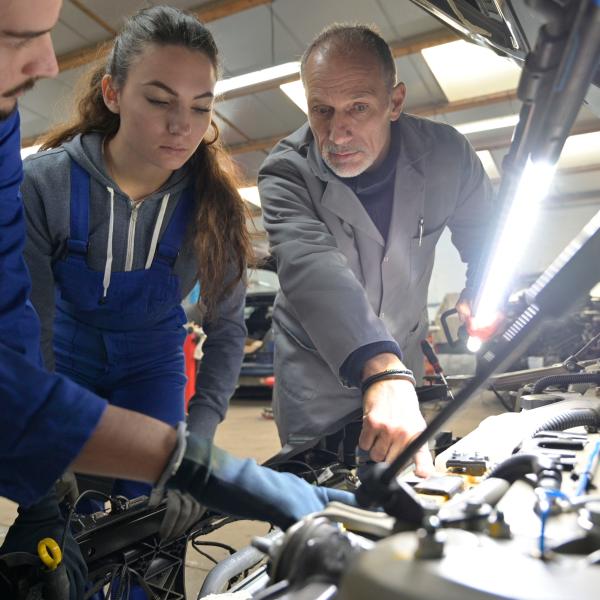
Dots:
pixel 157 102
pixel 199 109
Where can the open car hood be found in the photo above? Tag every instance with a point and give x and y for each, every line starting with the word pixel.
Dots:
pixel 508 27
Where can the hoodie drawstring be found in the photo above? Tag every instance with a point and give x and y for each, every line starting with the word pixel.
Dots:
pixel 156 233
pixel 109 245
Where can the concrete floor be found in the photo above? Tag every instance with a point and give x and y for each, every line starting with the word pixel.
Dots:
pixel 246 433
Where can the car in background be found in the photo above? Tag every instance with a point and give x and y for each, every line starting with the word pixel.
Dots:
pixel 256 378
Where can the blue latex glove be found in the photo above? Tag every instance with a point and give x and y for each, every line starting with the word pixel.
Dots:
pixel 241 488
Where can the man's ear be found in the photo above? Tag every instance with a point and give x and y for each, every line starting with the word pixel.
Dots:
pixel 110 94
pixel 398 96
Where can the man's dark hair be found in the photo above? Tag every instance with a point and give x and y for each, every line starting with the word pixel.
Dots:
pixel 348 39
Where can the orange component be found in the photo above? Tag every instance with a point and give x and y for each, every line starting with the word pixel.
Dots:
pixel 268 381
pixel 189 347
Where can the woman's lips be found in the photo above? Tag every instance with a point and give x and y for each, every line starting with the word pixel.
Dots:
pixel 174 149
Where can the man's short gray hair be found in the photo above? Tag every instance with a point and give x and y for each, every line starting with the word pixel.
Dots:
pixel 351 38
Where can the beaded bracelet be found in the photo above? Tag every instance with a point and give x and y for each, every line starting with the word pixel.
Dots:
pixel 388 374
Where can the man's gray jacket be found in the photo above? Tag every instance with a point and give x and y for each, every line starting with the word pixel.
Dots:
pixel 342 285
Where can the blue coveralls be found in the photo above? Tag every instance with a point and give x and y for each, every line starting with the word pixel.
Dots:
pixel 125 342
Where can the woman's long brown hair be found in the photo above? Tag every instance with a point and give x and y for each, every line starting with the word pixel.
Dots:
pixel 221 239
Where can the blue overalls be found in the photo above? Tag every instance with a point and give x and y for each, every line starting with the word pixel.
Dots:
pixel 123 341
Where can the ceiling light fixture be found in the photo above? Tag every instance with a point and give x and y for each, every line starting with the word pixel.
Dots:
pixel 465 70
pixel 257 77
pixel 295 92
pixel 250 194
pixel 488 124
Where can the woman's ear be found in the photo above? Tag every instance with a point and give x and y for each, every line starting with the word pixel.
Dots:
pixel 110 94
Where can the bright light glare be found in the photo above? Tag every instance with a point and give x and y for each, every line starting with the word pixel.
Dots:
pixel 473 344
pixel 255 77
pixel 465 70
pixel 25 152
pixel 295 92
pixel 488 124
pixel 517 229
pixel 250 194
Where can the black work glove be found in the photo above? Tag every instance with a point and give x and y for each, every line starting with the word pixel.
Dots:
pixel 241 488
pixel 183 510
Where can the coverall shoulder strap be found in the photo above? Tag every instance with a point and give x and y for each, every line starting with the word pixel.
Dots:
pixel 79 208
pixel 172 238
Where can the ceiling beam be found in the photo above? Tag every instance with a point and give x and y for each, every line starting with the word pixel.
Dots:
pixel 210 11
pixel 93 16
pixel 261 145
pixel 416 43
pixel 442 108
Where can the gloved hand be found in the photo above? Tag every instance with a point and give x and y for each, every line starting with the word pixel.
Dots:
pixel 182 512
pixel 241 488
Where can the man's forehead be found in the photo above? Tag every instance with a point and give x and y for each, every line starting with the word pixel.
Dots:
pixel 17 16
pixel 352 79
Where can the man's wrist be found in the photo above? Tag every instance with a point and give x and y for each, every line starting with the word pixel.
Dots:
pixel 380 363
pixel 405 374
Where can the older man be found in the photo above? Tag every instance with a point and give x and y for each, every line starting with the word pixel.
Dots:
pixel 354 203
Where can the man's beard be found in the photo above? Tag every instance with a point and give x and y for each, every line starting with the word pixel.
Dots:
pixel 27 85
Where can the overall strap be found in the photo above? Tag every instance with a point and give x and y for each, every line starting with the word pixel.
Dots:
pixel 172 239
pixel 79 206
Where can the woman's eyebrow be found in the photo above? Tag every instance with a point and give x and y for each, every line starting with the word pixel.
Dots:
pixel 167 89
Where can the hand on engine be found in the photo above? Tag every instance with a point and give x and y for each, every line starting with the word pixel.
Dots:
pixel 391 420
pixel 241 488
pixel 183 510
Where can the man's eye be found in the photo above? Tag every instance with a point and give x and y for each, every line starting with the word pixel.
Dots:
pixel 361 107
pixel 321 110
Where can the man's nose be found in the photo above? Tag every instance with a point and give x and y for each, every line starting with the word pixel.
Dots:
pixel 340 130
pixel 42 61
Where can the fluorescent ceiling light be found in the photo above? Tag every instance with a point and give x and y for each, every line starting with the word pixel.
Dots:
pixel 256 77
pixel 489 164
pixel 25 152
pixel 488 124
pixel 295 92
pixel 580 150
pixel 250 194
pixel 465 70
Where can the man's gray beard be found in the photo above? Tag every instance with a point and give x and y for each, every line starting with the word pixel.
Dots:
pixel 342 175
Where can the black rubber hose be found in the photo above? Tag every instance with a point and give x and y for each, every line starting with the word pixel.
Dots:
pixel 517 466
pixel 565 379
pixel 578 417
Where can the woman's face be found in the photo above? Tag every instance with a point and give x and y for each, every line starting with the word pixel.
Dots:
pixel 165 105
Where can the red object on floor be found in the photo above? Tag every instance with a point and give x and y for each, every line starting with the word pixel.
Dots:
pixel 189 346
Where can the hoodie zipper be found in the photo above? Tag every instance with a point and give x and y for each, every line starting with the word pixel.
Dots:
pixel 131 236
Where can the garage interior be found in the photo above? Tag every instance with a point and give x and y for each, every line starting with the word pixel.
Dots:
pixel 260 101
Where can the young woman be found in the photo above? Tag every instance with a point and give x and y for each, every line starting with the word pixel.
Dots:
pixel 128 207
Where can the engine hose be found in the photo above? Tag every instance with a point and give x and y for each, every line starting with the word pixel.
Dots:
pixel 577 417
pixel 517 466
pixel 565 379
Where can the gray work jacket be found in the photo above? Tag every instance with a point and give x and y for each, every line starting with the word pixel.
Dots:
pixel 342 285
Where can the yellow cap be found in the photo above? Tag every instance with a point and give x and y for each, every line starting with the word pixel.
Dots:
pixel 49 553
